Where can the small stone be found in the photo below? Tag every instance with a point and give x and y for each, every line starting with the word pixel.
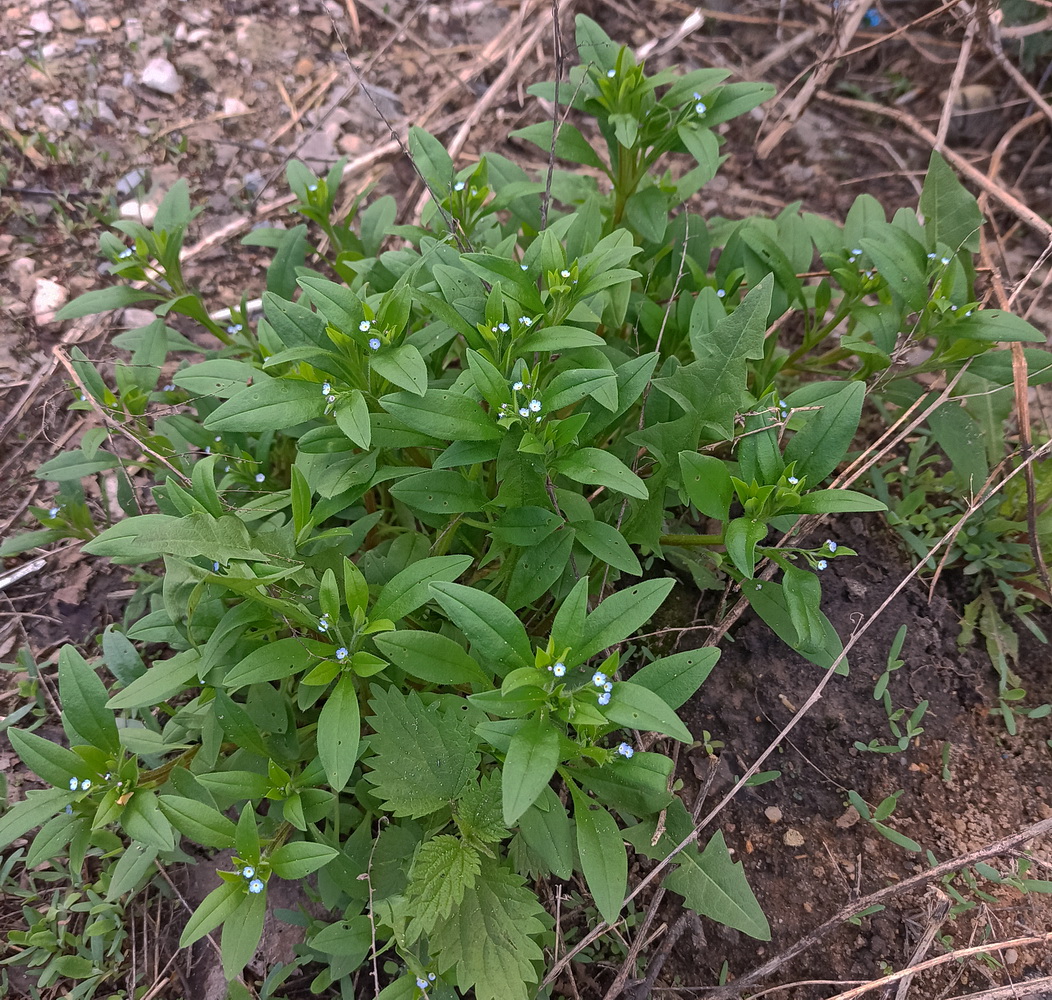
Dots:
pixel 849 819
pixel 130 181
pixel 196 66
pixel 68 20
pixel 54 118
pixel 1011 956
pixel 773 814
pixel 41 23
pixel 48 298
pixel 140 211
pixel 793 838
pixel 20 272
pixel 97 25
pixel 233 106
pixel 133 31
pixel 133 318
pixel 303 66
pixel 161 75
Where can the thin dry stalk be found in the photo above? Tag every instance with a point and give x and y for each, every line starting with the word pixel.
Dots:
pixel 954 90
pixel 1013 991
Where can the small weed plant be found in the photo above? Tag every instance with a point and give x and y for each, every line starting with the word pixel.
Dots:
pixel 407 519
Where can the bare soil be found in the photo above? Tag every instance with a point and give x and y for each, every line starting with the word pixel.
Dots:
pixel 262 80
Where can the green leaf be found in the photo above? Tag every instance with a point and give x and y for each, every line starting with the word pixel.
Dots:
pixel 546 828
pixel 490 937
pixel 836 502
pixel 352 417
pixel 432 160
pixel 574 384
pixel 423 757
pixel 529 766
pixel 298 859
pixel 236 724
pixel 538 568
pixel 710 882
pixel 525 526
pixel 638 786
pixel 234 786
pixel 440 491
pixel 242 930
pixel 70 466
pixel 616 618
pixel 443 870
pixel 951 214
pixel 159 683
pixel 600 468
pixel 432 657
pixel 995 325
pixel 74 967
pixel 403 366
pixel 144 822
pixel 605 542
pixel 103 300
pixel 603 858
pixel 741 536
pixel 823 442
pixel 55 764
pixel 150 536
pixel 272 662
pixel 769 602
pixel 83 697
pixel 442 413
pixel 339 730
pixel 128 872
pixel 220 377
pixel 262 406
pixel 410 589
pixel 37 808
pixel 493 629
pixel 707 483
pixel 636 707
pixel 675 678
pixel 803 598
pixel 570 144
pixel 198 821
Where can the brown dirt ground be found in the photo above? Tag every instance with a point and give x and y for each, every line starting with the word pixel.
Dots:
pixel 262 80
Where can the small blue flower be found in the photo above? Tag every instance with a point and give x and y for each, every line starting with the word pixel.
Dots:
pixel 523 411
pixel 215 566
pixel 234 328
pixel 73 784
pixel 342 654
pixel 330 399
pixel 611 73
pixel 260 477
pixel 700 108
pixel 208 449
pixel 720 293
pixel 831 545
pixel 792 480
pixel 517 386
pixel 312 187
pixel 218 437
pixel 503 327
pixel 782 403
pixel 526 320
pixel 697 96
pixel 374 343
pixel 604 699
pixel 248 871
pixel 608 687
pixel 326 388
pixel 872 18
pixel 822 564
pixel 365 326
pixel 431 976
pixel 169 387
pixel 524 267
pixel 625 749
pixel 599 678
pixel 85 785
pixel 559 669
pixel 125 253
pixel 53 512
pixel 459 186
pixel 931 256
pixel 255 886
pixel 944 260
pixel 857 252
pixel 421 983
pixel 535 406
pixel 564 273
pixel 323 623
pixel 69 810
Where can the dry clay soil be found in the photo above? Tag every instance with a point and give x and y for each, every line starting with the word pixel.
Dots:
pixel 255 81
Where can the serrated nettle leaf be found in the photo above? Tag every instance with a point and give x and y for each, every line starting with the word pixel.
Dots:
pixel 442 872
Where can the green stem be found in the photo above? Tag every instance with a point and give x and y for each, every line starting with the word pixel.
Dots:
pixel 688 540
